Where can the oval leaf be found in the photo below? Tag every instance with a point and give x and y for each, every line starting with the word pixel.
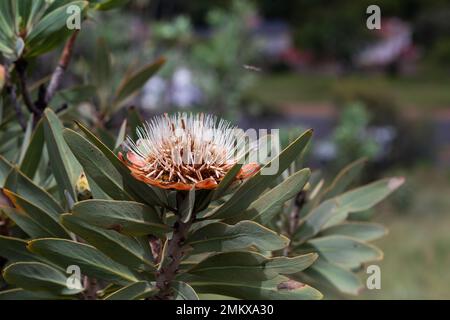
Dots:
pixel 270 203
pixel 134 291
pixel 218 236
pixel 344 251
pixel 90 260
pixel 37 276
pixel 135 81
pixel 123 249
pixel 278 288
pixel 65 167
pixel 336 210
pixel 127 217
pixel 360 230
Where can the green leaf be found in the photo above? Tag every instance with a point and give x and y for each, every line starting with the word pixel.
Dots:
pixel 122 135
pixel 24 9
pixel 37 276
pixel 51 30
pixel 127 217
pixel 142 191
pixel 123 249
pixel 96 165
pixel 363 231
pixel 336 210
pixel 10 143
pixel 250 190
pixel 15 249
pixel 225 185
pixel 270 203
pixel 33 153
pixel 227 181
pixel 7 51
pixel 344 179
pixel 134 121
pixel 218 236
pixel 28 225
pixel 7 19
pixel 110 4
pixel 243 266
pixel 55 4
pixel 135 291
pixel 64 165
pixel 39 215
pixel 5 168
pixel 30 11
pixel 343 251
pixel 102 67
pixel 135 81
pixel 338 277
pixel 20 294
pixel 90 260
pixel 186 201
pixel 213 296
pixel 26 138
pixel 278 288
pixel 26 188
pixel 106 136
pixel 183 291
pixel 74 95
pixel 96 191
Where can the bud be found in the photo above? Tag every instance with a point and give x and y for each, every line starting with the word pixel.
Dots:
pixel 2 76
pixel 82 188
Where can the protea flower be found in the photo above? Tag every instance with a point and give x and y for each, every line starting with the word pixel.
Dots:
pixel 186 151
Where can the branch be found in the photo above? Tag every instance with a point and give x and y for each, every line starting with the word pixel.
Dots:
pixel 12 92
pixel 21 66
pixel 91 286
pixel 294 218
pixel 175 253
pixel 57 75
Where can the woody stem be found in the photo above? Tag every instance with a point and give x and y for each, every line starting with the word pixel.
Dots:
pixel 174 254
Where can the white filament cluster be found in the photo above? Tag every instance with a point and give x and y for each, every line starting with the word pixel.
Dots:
pixel 186 147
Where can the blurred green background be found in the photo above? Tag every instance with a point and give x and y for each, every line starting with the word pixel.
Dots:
pixel 383 94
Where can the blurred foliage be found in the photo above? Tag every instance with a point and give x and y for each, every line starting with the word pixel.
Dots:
pixel 337 29
pixel 215 59
pixel 418 237
pixel 351 136
pixel 438 57
pixel 433 25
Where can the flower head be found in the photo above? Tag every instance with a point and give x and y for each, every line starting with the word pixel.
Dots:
pixel 183 151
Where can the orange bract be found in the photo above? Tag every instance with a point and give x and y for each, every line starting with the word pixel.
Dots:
pixel 208 183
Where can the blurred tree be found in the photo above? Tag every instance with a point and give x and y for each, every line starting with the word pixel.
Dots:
pixel 351 136
pixel 433 26
pixel 213 61
pixel 335 29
